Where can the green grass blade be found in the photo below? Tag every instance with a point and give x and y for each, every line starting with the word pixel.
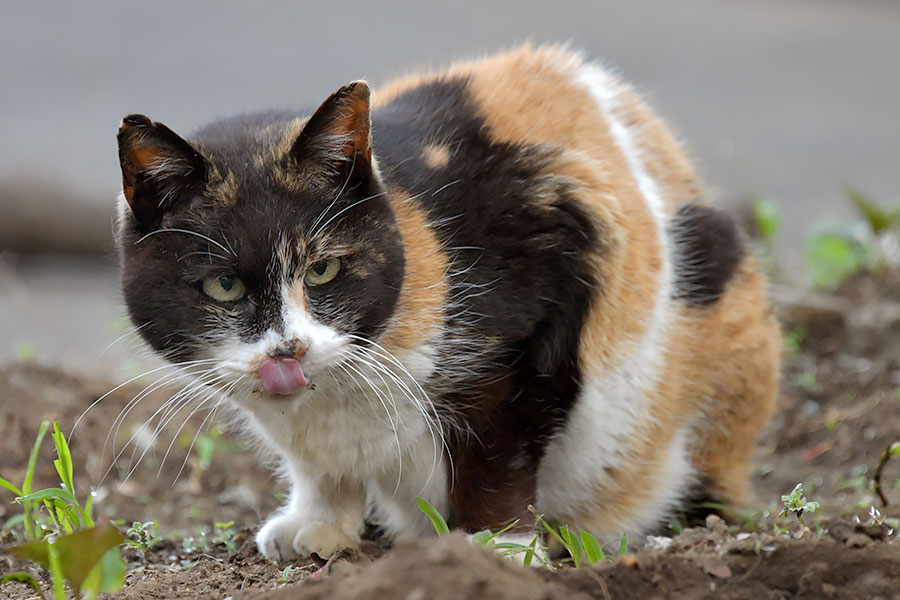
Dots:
pixel 483 538
pixel 572 545
pixel 26 579
pixel 592 548
pixel 623 545
pixel 437 521
pixel 88 510
pixel 30 531
pixel 60 493
pixel 56 572
pixel 32 458
pixel 4 483
pixel 12 522
pixel 553 532
pixel 529 554
pixel 64 461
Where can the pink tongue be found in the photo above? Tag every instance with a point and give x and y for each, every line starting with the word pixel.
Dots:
pixel 282 376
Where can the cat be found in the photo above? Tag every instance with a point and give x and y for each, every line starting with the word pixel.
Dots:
pixel 492 287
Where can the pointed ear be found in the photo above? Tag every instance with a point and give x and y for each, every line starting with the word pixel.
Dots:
pixel 337 139
pixel 157 167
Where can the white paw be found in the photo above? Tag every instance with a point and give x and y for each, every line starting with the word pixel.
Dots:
pixel 287 536
pixel 322 538
pixel 275 538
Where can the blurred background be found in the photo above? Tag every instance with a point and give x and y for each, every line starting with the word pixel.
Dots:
pixel 788 102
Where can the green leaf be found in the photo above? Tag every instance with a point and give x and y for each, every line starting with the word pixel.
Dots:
pixel 878 218
pixel 895 449
pixel 56 572
pixel 26 579
pixel 592 547
pixel 4 483
pixel 483 538
pixel 529 554
pixel 60 493
pixel 108 575
pixel 623 545
pixel 768 221
pixel 13 521
pixel 63 463
pixel 437 521
pixel 573 545
pixel 831 259
pixel 76 554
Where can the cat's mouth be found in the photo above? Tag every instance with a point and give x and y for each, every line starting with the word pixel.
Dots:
pixel 282 376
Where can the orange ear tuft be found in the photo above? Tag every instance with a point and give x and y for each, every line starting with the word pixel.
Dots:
pixel 338 132
pixel 155 162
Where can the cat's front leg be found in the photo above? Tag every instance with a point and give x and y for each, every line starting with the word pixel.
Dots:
pixel 322 516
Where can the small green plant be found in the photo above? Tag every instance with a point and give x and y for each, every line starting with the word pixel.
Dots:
pixel 285 575
pixel 892 450
pixel 143 536
pixel 225 534
pixel 796 503
pixel 837 254
pixel 64 539
pixel 437 520
pixel 768 222
pixel 583 548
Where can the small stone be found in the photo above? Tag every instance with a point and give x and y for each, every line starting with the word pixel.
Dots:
pixel 629 560
pixel 859 540
pixel 658 542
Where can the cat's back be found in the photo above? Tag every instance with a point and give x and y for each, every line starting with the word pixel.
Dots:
pixel 630 284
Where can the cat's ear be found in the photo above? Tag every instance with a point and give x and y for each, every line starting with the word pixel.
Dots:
pixel 337 139
pixel 158 167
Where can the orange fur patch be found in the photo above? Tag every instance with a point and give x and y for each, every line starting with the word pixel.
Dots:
pixel 436 156
pixel 419 312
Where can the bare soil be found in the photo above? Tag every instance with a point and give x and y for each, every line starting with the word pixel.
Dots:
pixel 839 411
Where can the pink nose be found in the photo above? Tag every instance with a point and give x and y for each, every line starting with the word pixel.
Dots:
pixel 282 375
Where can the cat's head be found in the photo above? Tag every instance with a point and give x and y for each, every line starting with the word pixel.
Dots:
pixel 264 245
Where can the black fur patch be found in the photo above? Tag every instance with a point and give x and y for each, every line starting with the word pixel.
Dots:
pixel 522 251
pixel 708 251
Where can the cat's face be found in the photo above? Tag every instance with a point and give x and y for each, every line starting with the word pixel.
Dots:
pixel 265 248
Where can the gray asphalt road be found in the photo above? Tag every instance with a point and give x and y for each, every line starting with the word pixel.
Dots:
pixel 791 100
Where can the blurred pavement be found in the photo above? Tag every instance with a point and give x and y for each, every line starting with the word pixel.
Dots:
pixel 790 100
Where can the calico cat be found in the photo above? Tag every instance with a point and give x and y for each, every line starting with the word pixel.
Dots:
pixel 491 287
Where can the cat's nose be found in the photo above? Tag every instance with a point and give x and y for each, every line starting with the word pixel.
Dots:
pixel 293 349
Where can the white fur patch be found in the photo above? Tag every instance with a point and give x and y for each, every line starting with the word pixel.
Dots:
pixel 356 436
pixel 614 402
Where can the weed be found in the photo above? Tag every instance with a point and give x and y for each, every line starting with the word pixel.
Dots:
pixel 584 549
pixel 66 541
pixel 892 450
pixel 835 255
pixel 144 536
pixel 192 544
pixel 768 222
pixel 437 520
pixel 225 534
pixel 796 503
pixel 285 574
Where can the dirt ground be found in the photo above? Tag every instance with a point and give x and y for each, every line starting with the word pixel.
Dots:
pixel 839 410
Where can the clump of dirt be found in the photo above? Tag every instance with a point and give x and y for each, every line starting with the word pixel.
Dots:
pixel 839 410
pixel 447 568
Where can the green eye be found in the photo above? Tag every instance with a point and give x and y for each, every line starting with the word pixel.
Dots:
pixel 226 288
pixel 323 271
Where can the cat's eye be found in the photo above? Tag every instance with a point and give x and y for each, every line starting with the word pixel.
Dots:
pixel 323 271
pixel 225 288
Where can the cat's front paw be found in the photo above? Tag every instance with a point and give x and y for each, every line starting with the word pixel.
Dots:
pixel 287 536
pixel 322 538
